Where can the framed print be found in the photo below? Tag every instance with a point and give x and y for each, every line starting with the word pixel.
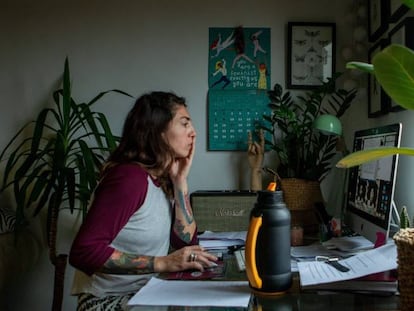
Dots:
pixel 402 33
pixel 311 54
pixel 378 100
pixel 377 18
pixel 397 10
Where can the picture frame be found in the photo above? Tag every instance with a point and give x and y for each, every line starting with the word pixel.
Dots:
pixel 378 100
pixel 378 11
pixel 397 11
pixel 402 33
pixel 310 54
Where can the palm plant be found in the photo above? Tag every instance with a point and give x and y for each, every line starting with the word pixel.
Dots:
pixel 57 165
pixel 303 152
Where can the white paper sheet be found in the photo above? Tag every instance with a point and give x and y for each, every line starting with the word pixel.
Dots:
pixel 159 292
pixel 372 261
pixel 349 243
pixel 229 235
pixel 311 251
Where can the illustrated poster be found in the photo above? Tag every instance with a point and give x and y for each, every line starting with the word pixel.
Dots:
pixel 239 58
pixel 239 78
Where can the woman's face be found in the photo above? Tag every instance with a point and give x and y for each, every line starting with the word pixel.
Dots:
pixel 181 133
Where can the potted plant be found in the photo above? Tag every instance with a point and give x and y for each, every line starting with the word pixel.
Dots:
pixel 53 163
pixel 303 151
pixel 304 154
pixel 393 67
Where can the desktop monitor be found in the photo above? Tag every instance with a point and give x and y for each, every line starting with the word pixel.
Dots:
pixel 371 185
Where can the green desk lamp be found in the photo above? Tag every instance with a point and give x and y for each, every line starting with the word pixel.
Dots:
pixel 328 124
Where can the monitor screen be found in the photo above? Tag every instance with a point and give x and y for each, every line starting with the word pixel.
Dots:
pixel 371 185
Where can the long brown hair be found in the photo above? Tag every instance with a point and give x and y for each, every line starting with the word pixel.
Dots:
pixel 142 140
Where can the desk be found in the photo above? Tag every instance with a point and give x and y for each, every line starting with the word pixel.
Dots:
pixel 296 299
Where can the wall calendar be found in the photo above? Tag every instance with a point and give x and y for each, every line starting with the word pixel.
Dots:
pixel 232 114
pixel 239 77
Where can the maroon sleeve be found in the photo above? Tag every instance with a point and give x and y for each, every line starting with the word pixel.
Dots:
pixel 118 196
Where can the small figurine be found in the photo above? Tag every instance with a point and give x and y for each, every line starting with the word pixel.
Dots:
pixel 255 155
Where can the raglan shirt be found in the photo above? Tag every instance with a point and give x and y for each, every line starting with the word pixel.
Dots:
pixel 130 213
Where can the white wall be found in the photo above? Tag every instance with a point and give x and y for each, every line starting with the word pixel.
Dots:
pixel 139 46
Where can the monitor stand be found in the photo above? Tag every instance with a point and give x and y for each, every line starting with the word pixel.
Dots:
pixel 394 219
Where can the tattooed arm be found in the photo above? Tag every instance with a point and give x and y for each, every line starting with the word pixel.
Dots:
pixel 122 263
pixel 184 224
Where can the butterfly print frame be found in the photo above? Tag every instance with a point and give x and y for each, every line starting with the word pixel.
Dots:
pixel 378 16
pixel 396 10
pixel 311 54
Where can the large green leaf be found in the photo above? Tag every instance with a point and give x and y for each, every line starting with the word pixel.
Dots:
pixel 360 66
pixel 394 70
pixel 360 157
pixel 393 67
pixel 409 3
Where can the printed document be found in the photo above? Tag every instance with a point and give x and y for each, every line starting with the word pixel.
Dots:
pixel 376 260
pixel 158 292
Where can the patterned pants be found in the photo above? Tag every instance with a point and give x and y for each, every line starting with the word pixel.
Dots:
pixel 88 302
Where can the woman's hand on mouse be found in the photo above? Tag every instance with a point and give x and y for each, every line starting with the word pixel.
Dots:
pixel 189 257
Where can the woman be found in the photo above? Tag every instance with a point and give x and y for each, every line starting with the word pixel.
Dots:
pixel 140 205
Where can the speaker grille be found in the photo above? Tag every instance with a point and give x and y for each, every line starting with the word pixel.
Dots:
pixel 222 210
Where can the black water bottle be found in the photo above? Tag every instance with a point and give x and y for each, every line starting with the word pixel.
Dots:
pixel 267 255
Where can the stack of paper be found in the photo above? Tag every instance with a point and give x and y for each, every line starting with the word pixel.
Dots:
pixel 319 275
pixel 381 282
pixel 222 240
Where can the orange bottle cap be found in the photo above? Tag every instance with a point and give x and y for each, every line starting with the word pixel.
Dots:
pixel 272 186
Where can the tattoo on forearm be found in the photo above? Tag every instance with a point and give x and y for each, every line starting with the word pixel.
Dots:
pixel 179 229
pixel 123 263
pixel 184 203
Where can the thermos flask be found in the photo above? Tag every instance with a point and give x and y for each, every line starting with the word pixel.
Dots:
pixel 267 249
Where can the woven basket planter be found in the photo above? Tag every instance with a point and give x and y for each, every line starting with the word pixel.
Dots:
pixel 404 239
pixel 300 197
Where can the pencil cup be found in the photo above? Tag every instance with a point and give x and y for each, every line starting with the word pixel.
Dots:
pixel 404 239
pixel 296 235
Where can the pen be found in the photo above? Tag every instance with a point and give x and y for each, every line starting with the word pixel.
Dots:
pixel 233 248
pixel 332 261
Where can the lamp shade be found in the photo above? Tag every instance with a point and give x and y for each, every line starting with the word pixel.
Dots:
pixel 328 124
